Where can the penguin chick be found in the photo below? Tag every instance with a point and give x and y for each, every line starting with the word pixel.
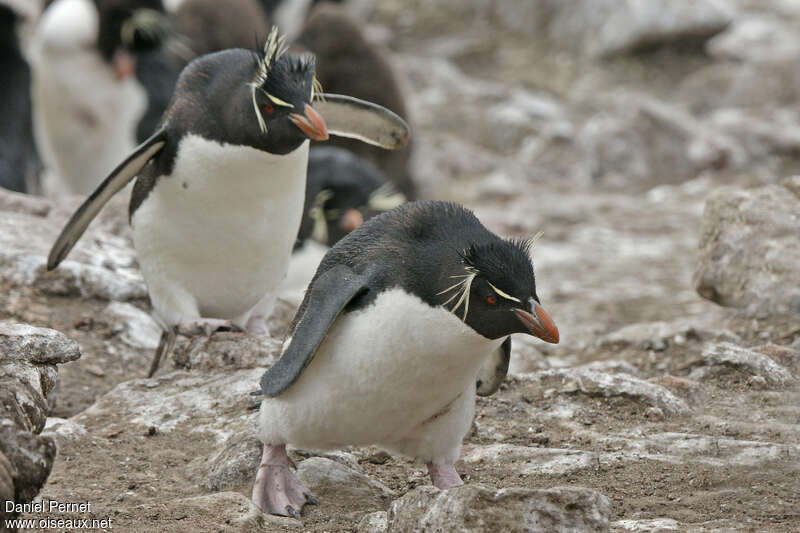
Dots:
pixel 387 344
pixel 219 196
pixel 349 64
pixel 88 100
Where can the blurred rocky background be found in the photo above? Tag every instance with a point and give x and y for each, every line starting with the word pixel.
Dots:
pixel 653 143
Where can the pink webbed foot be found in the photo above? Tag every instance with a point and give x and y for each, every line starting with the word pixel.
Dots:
pixel 276 489
pixel 444 476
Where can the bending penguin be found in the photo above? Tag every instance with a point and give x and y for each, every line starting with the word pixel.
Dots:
pixel 396 329
pixel 216 206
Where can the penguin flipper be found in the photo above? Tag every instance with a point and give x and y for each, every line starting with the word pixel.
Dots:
pixel 350 117
pixel 494 370
pixel 115 181
pixel 328 295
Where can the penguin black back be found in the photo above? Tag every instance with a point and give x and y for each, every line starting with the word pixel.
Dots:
pixel 422 246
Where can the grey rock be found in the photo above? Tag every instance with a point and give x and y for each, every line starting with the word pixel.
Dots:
pixel 6 481
pixel 657 336
pixel 332 482
pixel 525 356
pixel 755 39
pixel 228 350
pixel 31 456
pixel 654 525
pixel 478 508
pixel 63 430
pixel 134 327
pixel 636 137
pixel 725 357
pixel 236 463
pixel 21 404
pixel 762 134
pixel 23 203
pixel 529 460
pixel 613 366
pixel 749 250
pixel 180 398
pixel 23 342
pixel 609 28
pixel 724 85
pixel 377 522
pixel 594 383
pixel 222 511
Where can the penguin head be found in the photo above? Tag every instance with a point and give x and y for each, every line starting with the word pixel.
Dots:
pixel 494 291
pixel 129 28
pixel 282 91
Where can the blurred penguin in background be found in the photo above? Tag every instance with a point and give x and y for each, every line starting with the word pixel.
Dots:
pixel 342 192
pixel 19 160
pixel 210 25
pixel 89 60
pixel 348 64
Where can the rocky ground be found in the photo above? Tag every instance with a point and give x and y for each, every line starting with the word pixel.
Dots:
pixel 653 159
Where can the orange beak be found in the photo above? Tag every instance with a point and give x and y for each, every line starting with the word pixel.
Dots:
pixel 539 324
pixel 311 123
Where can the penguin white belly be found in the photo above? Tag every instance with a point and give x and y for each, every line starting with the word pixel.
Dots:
pixel 215 236
pixel 379 377
pixel 84 118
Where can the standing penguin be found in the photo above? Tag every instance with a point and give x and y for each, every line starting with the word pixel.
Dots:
pixel 87 98
pixel 217 204
pixel 389 341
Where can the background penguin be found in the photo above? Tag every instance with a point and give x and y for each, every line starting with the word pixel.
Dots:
pixel 389 341
pixel 19 160
pixel 217 205
pixel 342 191
pixel 87 100
pixel 210 25
pixel 349 64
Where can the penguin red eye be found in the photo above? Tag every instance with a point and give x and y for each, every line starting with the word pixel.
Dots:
pixel 268 108
pixel 491 299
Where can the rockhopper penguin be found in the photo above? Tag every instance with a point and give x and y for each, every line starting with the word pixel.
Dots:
pixel 389 344
pixel 217 204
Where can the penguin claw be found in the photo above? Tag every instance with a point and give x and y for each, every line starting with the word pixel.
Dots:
pixel 310 499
